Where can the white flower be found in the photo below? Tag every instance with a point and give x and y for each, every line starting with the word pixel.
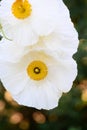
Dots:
pixel 23 21
pixel 37 75
pixel 38 79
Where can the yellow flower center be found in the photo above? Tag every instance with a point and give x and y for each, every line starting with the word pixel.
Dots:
pixel 21 9
pixel 37 70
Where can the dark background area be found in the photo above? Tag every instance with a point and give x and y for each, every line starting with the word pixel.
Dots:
pixel 71 114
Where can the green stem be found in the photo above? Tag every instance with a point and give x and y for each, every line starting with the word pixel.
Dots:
pixel 1 29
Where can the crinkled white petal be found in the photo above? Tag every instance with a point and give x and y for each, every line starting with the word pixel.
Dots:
pixel 23 35
pixel 44 16
pixel 66 45
pixel 39 94
pixel 64 74
pixel 58 46
pixel 10 51
pixel 42 97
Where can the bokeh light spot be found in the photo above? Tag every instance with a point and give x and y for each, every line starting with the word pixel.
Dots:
pixel 39 117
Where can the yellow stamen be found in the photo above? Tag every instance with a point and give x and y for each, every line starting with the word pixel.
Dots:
pixel 21 9
pixel 37 70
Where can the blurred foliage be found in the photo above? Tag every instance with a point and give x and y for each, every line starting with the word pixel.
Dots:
pixel 81 59
pixel 71 114
pixel 78 12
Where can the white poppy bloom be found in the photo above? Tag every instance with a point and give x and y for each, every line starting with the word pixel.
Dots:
pixel 24 21
pixel 38 79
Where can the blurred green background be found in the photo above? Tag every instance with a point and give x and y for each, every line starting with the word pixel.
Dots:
pixel 71 114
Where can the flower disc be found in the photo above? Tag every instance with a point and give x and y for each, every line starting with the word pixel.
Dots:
pixel 21 9
pixel 37 70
